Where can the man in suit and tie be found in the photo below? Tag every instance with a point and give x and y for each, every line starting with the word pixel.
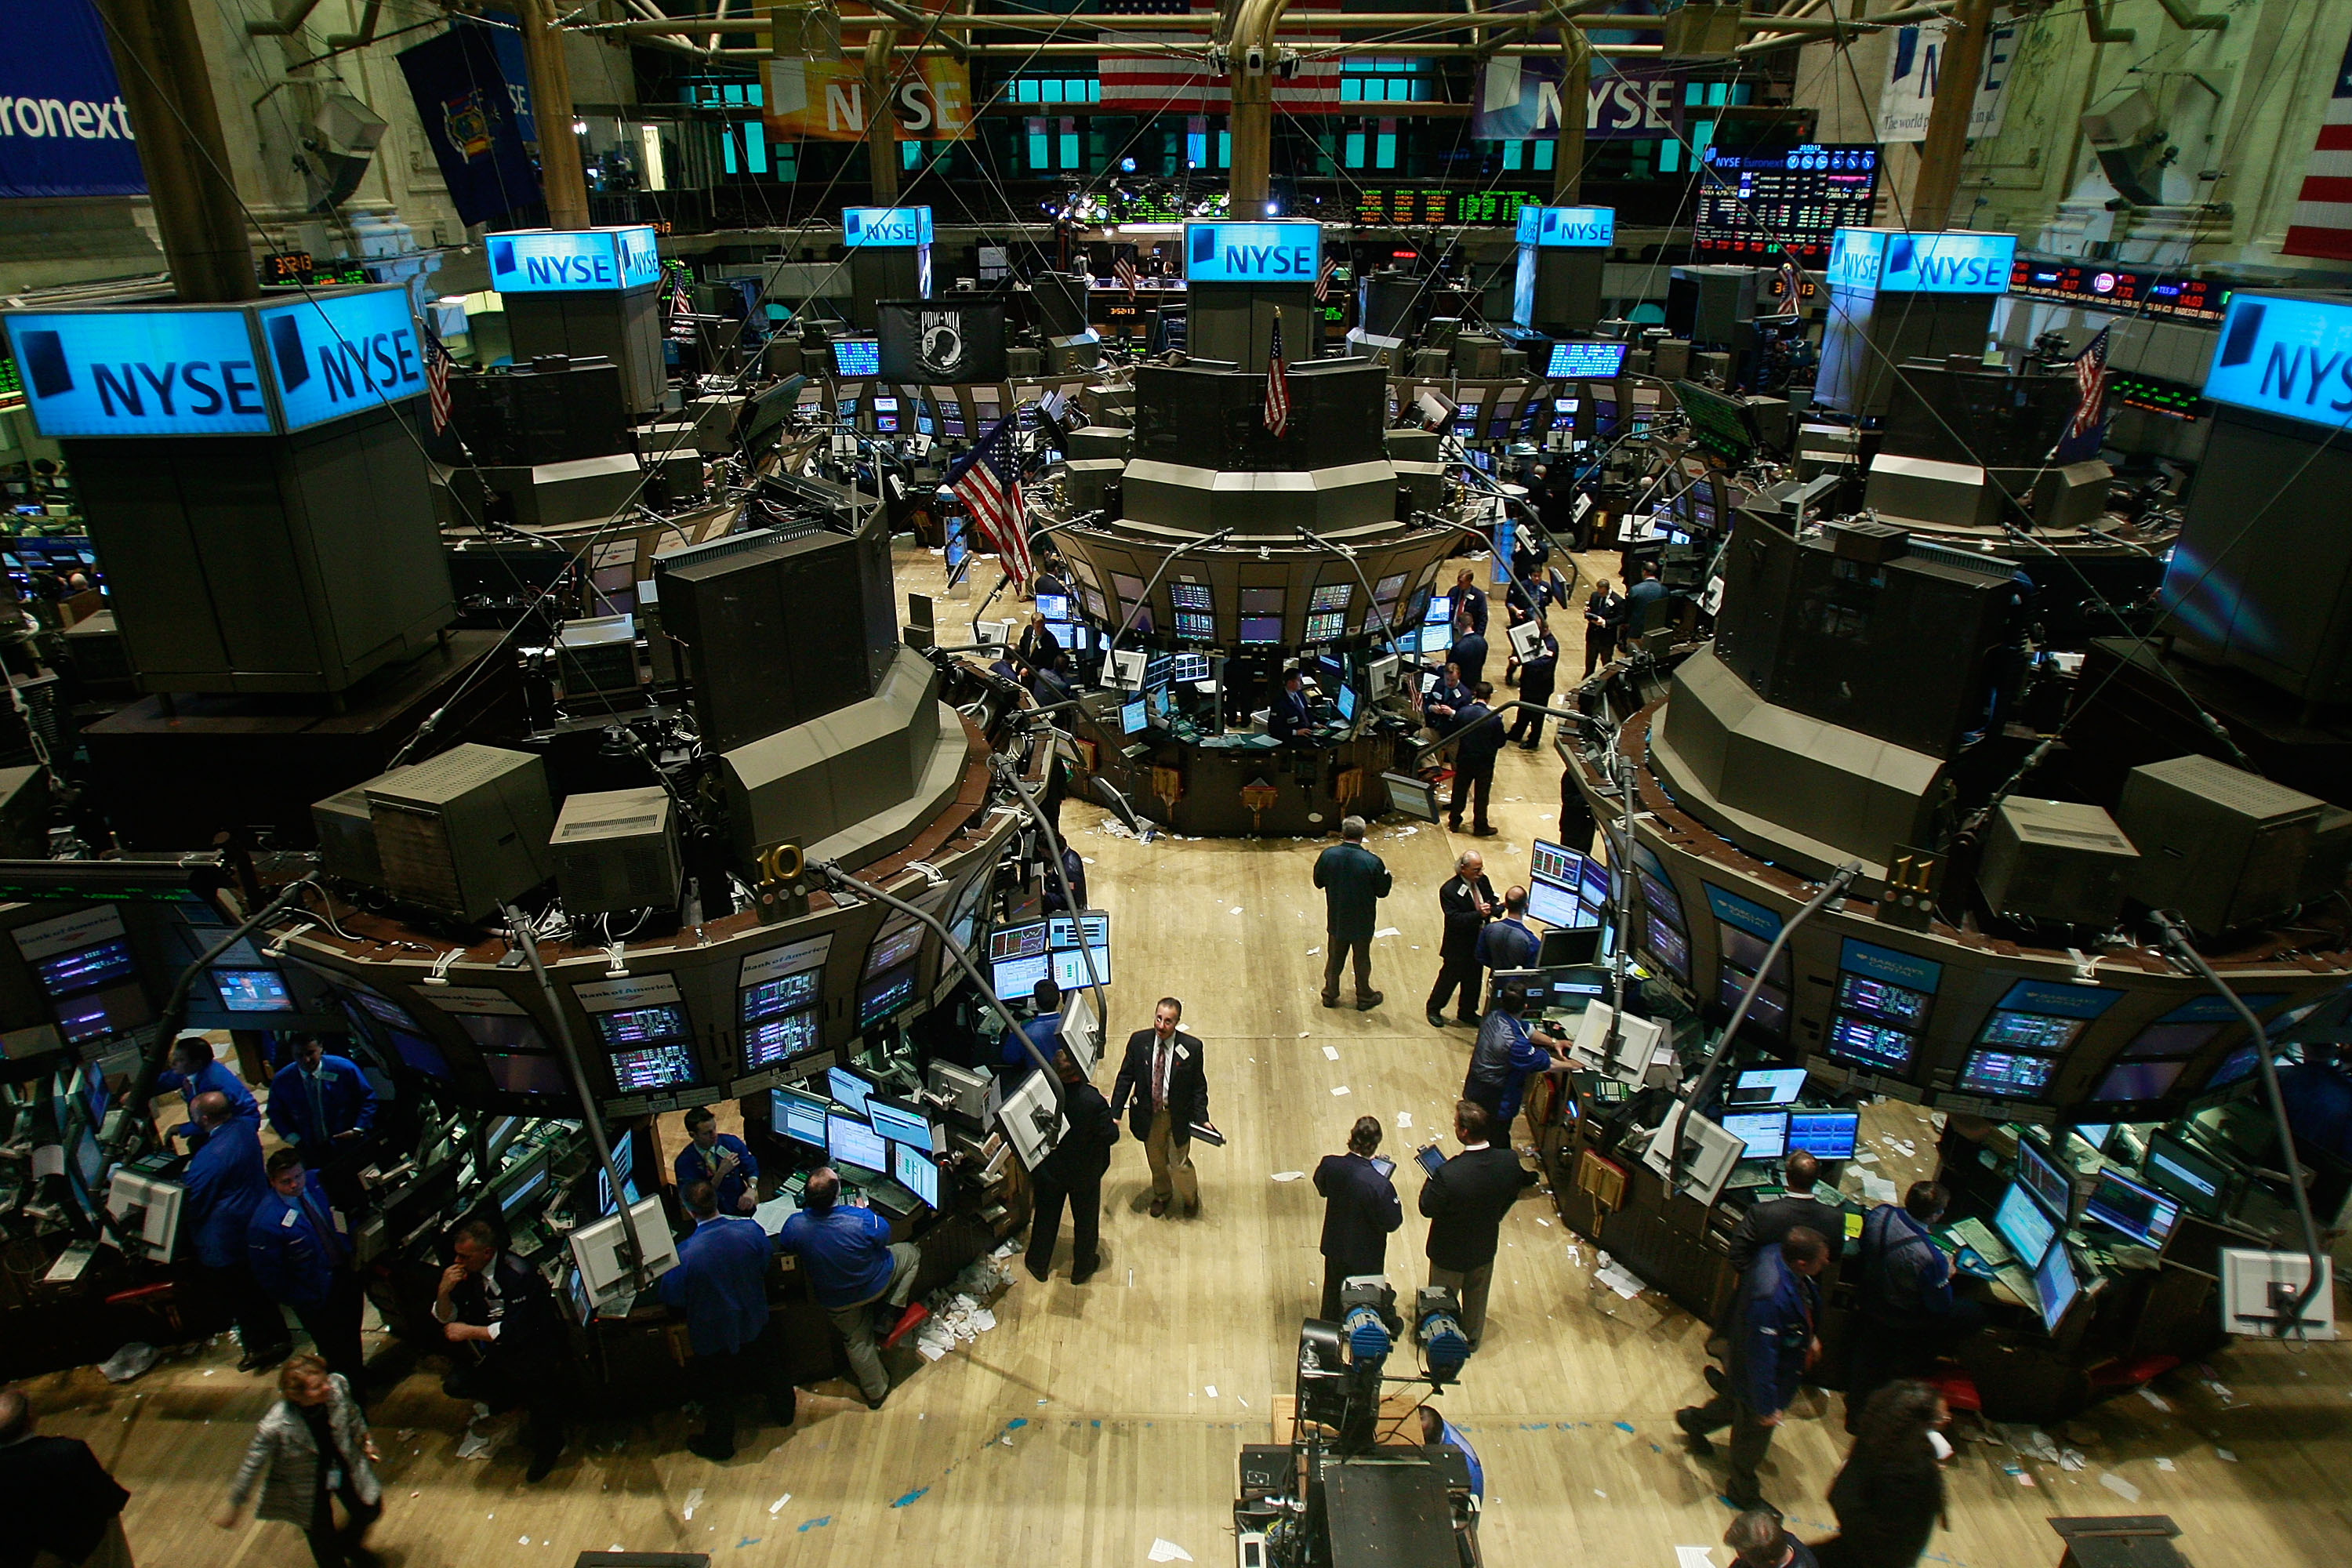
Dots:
pixel 1477 735
pixel 1072 1174
pixel 494 1302
pixel 300 1252
pixel 1464 1203
pixel 1354 880
pixel 1360 1210
pixel 1164 1079
pixel 224 1183
pixel 324 1107
pixel 1288 715
pixel 720 1288
pixel 723 1160
pixel 61 1505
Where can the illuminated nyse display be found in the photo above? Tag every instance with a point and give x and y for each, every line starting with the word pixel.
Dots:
pixel 1252 252
pixel 893 228
pixel 2287 355
pixel 1895 261
pixel 1566 228
pixel 572 261
pixel 1762 205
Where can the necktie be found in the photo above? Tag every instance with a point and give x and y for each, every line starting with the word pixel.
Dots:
pixel 318 1104
pixel 326 1230
pixel 1159 1077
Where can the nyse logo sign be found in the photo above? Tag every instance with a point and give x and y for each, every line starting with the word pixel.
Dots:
pixel 572 261
pixel 1568 226
pixel 1894 262
pixel 1252 252
pixel 897 227
pixel 340 355
pixel 2284 355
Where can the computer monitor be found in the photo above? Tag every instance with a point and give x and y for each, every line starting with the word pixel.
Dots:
pixel 1825 1134
pixel 2050 1187
pixel 1133 717
pixel 1415 797
pixel 916 1172
pixel 2201 1184
pixel 645 1070
pixel 1018 957
pixel 2023 1225
pixel 798 1114
pixel 1574 945
pixel 2142 1214
pixel 772 1042
pixel 849 1142
pixel 2055 1285
pixel 253 991
pixel 2007 1075
pixel 1666 945
pixel 1555 905
pixel 881 999
pixel 1347 704
pixel 1753 1089
pixel 1053 606
pixel 856 358
pixel 900 1120
pixel 597 1247
pixel 2095 1133
pixel 850 1086
pixel 1766 1133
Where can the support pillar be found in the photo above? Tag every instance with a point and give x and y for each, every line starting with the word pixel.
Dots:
pixel 158 59
pixel 1253 132
pixel 881 124
pixel 562 181
pixel 1575 93
pixel 1939 180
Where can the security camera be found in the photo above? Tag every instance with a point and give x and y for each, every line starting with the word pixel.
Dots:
pixel 1253 61
pixel 1285 64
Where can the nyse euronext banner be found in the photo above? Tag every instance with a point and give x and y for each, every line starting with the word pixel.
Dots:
pixel 64 131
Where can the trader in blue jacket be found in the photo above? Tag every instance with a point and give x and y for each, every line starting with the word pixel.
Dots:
pixel 719 1158
pixel 1772 1345
pixel 322 1104
pixel 300 1252
pixel 854 1269
pixel 720 1288
pixel 224 1183
pixel 194 1070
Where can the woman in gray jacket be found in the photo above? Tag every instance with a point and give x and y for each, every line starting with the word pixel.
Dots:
pixel 313 1443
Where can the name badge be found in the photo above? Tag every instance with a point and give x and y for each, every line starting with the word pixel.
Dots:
pixel 286 1220
pixel 1182 1054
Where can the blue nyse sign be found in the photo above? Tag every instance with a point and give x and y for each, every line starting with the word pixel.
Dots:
pixel 898 227
pixel 2281 355
pixel 1252 252
pixel 1568 226
pixel 250 369
pixel 573 261
pixel 1895 261
pixel 341 353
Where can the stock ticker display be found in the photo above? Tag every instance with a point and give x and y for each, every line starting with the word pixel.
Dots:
pixel 2133 290
pixel 1410 205
pixel 1761 206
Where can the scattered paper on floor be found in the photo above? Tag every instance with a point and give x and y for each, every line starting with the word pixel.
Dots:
pixel 1168 1551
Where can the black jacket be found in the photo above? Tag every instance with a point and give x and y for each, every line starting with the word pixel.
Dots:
pixel 1464 1203
pixel 1477 737
pixel 1462 921
pixel 1084 1153
pixel 1604 613
pixel 529 1332
pixel 1537 674
pixel 1886 1506
pixel 55 1498
pixel 1354 880
pixel 1359 1209
pixel 1765 1224
pixel 1188 1084
pixel 1287 714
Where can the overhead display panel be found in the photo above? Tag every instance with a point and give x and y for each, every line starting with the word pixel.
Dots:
pixel 572 261
pixel 1578 228
pixel 338 354
pixel 1895 261
pixel 2107 286
pixel 1283 252
pixel 1757 205
pixel 897 228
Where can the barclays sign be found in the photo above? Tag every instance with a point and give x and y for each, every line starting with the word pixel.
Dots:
pixel 1897 261
pixel 900 228
pixel 573 260
pixel 1287 252
pixel 2285 355
pixel 1561 228
pixel 250 369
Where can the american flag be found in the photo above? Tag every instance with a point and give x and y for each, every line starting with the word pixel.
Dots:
pixel 987 479
pixel 1176 83
pixel 1123 270
pixel 1323 275
pixel 2090 386
pixel 1278 385
pixel 675 296
pixel 2322 224
pixel 436 382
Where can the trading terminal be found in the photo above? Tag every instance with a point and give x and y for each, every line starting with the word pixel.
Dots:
pixel 620 786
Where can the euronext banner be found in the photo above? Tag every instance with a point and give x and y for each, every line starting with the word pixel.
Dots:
pixel 64 131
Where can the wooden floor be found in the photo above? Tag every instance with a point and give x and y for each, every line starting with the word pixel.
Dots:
pixel 1096 1420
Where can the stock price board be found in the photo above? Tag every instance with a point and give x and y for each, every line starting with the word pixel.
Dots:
pixel 2128 290
pixel 1423 204
pixel 1759 206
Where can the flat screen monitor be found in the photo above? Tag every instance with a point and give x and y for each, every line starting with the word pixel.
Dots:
pixel 420 1052
pixel 1747 950
pixel 1766 1133
pixel 900 1121
pixel 772 1042
pixel 2007 1075
pixel 1768 1012
pixel 70 973
pixel 1194 627
pixel 1132 717
pixel 1261 631
pixel 2056 1287
pixel 642 1026
pixel 1556 906
pixel 1191 666
pixel 1870 1044
pixel 1574 944
pixel 2030 1031
pixel 916 1172
pixel 850 1086
pixel 1586 360
pixel 886 997
pixel 2040 1175
pixel 1755 1087
pixel 1661 898
pixel 1053 606
pixel 1346 705
pixel 1826 1134
pixel 849 1142
pixel 782 994
pixel 2142 1214
pixel 2095 1133
pixel 2175 1169
pixel 527 1072
pixel 650 1067
pixel 1552 862
pixel 2129 1081
pixel 798 1114
pixel 97 1014
pixel 501 1031
pixel 253 991
pixel 2023 1225
pixel 856 358
pixel 1592 882
pixel 1875 999
pixel 1191 596
pixel 1666 945
pixel 893 948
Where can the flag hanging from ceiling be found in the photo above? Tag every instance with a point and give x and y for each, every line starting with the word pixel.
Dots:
pixel 1182 82
pixel 1278 385
pixel 1323 275
pixel 436 381
pixel 2090 384
pixel 2322 224
pixel 987 480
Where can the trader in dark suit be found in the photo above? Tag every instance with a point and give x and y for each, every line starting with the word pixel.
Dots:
pixel 1289 717
pixel 60 1505
pixel 224 1183
pixel 300 1250
pixel 1464 1203
pixel 1800 1203
pixel 1469 604
pixel 1536 677
pixel 1772 1345
pixel 1072 1174
pixel 1163 1080
pixel 1477 737
pixel 719 1158
pixel 1466 901
pixel 720 1288
pixel 1904 1303
pixel 1354 880
pixel 496 1303
pixel 324 1107
pixel 1605 618
pixel 1360 1210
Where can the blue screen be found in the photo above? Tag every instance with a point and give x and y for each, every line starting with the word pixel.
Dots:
pixel 795 1113
pixel 1346 705
pixel 848 1088
pixel 856 357
pixel 1825 1134
pixel 2055 1288
pixel 1766 1086
pixel 1585 362
pixel 1765 1133
pixel 900 1125
pixel 849 1142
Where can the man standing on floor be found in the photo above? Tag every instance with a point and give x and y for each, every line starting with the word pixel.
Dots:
pixel 1464 1203
pixel 1072 1174
pixel 1354 880
pixel 300 1252
pixel 1477 740
pixel 494 1302
pixel 1772 1346
pixel 1800 1202
pixel 853 1265
pixel 720 1287
pixel 224 1181
pixel 1906 1312
pixel 1507 944
pixel 1507 1052
pixel 1360 1210
pixel 194 1070
pixel 62 1509
pixel 323 1106
pixel 1164 1079
pixel 1536 677
pixel 1466 901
